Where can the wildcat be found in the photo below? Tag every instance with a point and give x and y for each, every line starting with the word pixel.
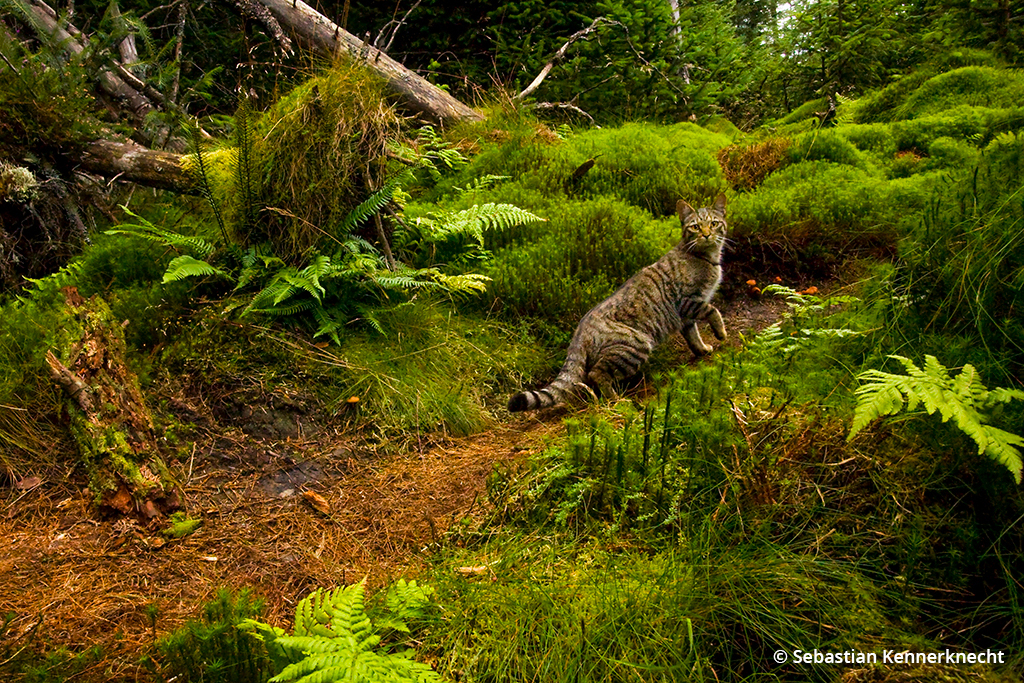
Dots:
pixel 671 295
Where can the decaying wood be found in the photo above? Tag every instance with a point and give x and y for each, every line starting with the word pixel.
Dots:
pixel 108 418
pixel 259 13
pixel 113 85
pixel 319 34
pixel 135 163
pixel 73 386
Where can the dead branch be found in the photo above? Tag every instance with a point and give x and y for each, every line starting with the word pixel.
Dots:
pixel 583 33
pixel 73 385
pixel 560 55
pixel 71 38
pixel 567 106
pixel 394 24
pixel 259 13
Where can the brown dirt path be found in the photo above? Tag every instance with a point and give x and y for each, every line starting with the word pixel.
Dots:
pixel 73 580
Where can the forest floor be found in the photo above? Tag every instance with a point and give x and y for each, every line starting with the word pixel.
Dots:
pixel 280 516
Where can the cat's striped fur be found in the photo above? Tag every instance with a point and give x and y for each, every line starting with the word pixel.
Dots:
pixel 671 295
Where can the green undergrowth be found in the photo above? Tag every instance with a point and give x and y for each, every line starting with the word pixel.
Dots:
pixel 547 608
pixel 212 648
pixel 425 369
pixel 691 536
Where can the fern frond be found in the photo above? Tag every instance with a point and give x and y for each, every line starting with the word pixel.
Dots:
pixel 284 311
pixel 334 640
pixel 478 219
pixel 199 168
pixel 481 183
pixel 962 399
pixel 186 266
pixel 373 204
pixel 245 174
pixel 147 230
pixel 460 285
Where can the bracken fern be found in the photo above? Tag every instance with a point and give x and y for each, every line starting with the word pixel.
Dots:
pixel 963 398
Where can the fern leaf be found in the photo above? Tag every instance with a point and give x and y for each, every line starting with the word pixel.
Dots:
pixel 962 399
pixel 198 167
pixel 478 219
pixel 147 230
pixel 285 311
pixel 875 400
pixel 186 266
pixel 373 204
pixel 245 175
pixel 1005 448
pixel 406 600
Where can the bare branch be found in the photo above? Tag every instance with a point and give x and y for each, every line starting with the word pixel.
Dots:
pixel 396 24
pixel 584 33
pixel 260 14
pixel 113 85
pixel 567 106
pixel 560 55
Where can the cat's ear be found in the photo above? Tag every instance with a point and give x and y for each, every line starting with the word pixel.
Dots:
pixel 684 210
pixel 719 205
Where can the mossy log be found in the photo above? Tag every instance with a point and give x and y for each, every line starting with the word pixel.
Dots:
pixel 134 163
pixel 108 418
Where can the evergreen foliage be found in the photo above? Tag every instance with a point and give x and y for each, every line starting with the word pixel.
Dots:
pixel 212 649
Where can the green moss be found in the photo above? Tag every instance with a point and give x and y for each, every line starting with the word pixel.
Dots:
pixel 566 269
pixel 180 525
pixel 802 113
pixel 826 145
pixel 870 137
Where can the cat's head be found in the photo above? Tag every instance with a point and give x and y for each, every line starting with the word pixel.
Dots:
pixel 705 227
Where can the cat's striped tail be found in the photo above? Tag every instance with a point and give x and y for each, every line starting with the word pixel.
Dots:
pixel 569 378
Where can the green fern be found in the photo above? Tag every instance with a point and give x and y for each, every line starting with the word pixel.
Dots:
pixel 146 230
pixel 245 176
pixel 335 640
pixel 481 183
pixel 474 221
pixel 199 169
pixel 374 203
pixel 963 399
pixel 186 266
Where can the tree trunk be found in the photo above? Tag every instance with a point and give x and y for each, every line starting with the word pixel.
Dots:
pixel 137 164
pixel 319 34
pixel 109 421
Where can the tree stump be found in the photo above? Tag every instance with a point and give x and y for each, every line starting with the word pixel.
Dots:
pixel 108 418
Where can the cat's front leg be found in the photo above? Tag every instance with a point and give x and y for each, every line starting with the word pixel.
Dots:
pixel 693 340
pixel 717 324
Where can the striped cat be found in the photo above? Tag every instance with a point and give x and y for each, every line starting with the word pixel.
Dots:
pixel 617 336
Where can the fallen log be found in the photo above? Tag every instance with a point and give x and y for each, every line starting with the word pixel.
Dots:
pixel 107 416
pixel 134 163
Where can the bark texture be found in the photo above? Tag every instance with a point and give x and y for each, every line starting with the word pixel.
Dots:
pixel 319 34
pixel 109 420
pixel 137 164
